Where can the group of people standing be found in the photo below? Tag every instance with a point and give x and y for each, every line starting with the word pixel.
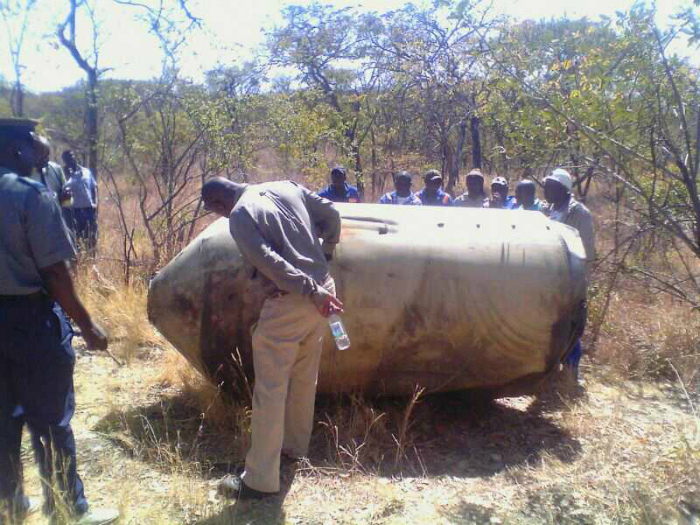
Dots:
pixel 75 188
pixel 559 205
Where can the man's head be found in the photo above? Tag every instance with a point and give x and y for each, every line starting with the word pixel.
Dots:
pixel 475 183
pixel 525 193
pixel 220 195
pixel 18 150
pixel 43 147
pixel 402 183
pixel 338 177
pixel 499 187
pixel 557 187
pixel 69 159
pixel 433 181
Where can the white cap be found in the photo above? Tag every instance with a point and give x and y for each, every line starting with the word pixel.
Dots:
pixel 561 176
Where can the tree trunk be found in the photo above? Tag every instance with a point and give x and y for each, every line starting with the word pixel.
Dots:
pixel 17 99
pixel 476 142
pixel 92 122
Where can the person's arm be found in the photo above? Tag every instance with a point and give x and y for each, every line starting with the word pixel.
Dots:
pixel 59 285
pixel 265 259
pixel 51 247
pixel 326 218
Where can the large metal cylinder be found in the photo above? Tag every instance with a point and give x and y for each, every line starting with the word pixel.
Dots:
pixel 445 298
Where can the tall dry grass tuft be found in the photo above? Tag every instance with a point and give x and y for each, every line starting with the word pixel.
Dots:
pixel 120 309
pixel 653 338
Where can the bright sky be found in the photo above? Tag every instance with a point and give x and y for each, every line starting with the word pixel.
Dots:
pixel 232 29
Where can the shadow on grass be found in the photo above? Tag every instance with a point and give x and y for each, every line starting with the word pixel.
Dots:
pixel 454 434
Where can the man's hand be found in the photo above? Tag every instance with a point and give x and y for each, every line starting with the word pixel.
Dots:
pixel 66 194
pixel 95 337
pixel 326 303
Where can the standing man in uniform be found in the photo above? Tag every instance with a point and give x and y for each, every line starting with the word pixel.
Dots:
pixel 339 190
pixel 83 187
pixel 562 207
pixel 432 194
pixel 474 197
pixel 277 226
pixel 402 191
pixel 36 355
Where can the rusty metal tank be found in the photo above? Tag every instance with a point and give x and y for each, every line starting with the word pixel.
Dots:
pixel 445 298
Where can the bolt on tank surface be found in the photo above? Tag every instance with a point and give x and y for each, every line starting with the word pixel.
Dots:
pixel 445 298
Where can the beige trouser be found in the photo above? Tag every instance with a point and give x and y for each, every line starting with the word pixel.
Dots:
pixel 287 347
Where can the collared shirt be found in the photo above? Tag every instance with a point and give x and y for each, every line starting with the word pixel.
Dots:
pixel 441 198
pixel 277 226
pixel 535 206
pixel 32 234
pixel 393 198
pixel 83 188
pixel 466 201
pixel 349 194
pixel 577 216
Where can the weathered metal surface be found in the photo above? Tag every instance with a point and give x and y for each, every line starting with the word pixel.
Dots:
pixel 446 298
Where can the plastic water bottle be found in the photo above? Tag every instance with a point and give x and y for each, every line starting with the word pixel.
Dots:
pixel 342 341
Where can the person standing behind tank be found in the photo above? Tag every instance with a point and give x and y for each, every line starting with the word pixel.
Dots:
pixel 339 190
pixel 475 196
pixel 51 174
pixel 402 191
pixel 276 227
pixel 525 198
pixel 83 212
pixel 36 355
pixel 432 194
pixel 563 207
pixel 499 195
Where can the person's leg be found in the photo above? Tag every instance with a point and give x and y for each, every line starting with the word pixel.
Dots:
pixel 14 333
pixel 573 359
pixel 11 494
pixel 49 402
pixel 301 394
pixel 275 345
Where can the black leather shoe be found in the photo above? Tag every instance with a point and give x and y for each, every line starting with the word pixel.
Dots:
pixel 233 487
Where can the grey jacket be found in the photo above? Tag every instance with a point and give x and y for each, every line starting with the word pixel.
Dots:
pixel 277 226
pixel 577 216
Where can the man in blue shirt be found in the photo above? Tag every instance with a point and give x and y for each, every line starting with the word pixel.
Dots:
pixel 82 218
pixel 339 190
pixel 499 195
pixel 402 193
pixel 432 194
pixel 525 196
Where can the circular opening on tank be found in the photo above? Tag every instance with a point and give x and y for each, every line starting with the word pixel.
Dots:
pixel 441 224
pixel 512 226
pixel 548 227
pixel 478 225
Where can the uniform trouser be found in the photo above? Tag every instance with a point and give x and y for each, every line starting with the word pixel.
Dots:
pixel 574 357
pixel 287 345
pixel 83 224
pixel 36 388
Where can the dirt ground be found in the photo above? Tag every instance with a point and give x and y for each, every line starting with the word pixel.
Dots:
pixel 611 452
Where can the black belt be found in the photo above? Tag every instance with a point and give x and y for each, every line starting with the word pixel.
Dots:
pixel 27 298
